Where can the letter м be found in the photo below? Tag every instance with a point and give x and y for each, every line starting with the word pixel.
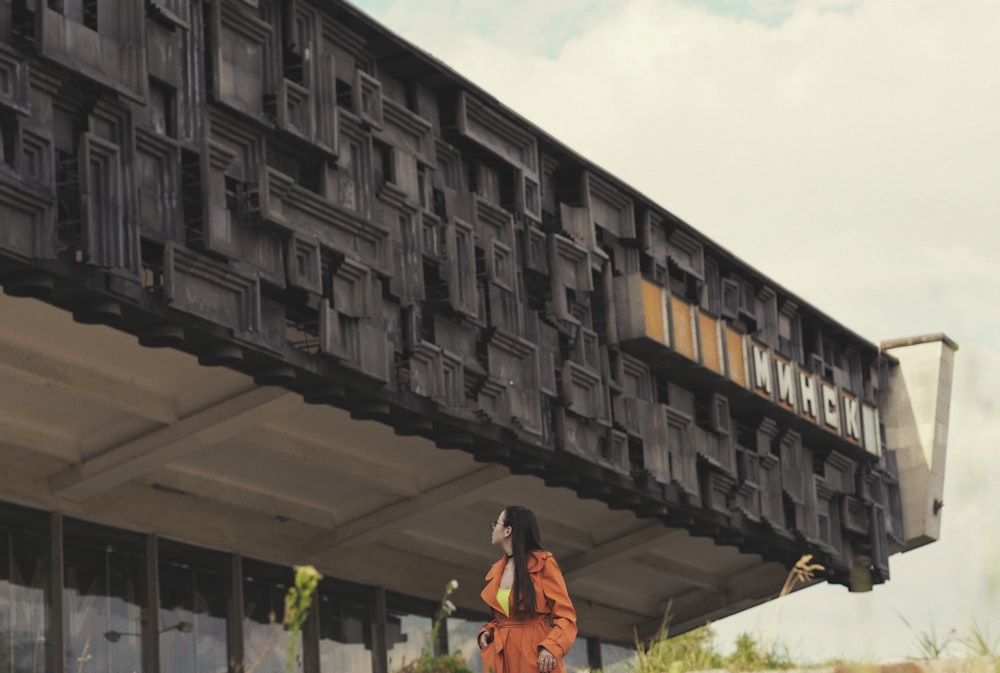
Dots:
pixel 786 382
pixel 761 369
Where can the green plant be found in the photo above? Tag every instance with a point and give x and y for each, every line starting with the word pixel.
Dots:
pixel 691 651
pixel 428 661
pixel 929 644
pixel 982 647
pixel 751 655
pixel 979 643
pixel 297 602
pixel 696 650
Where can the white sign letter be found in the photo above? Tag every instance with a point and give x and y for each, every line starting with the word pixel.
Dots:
pixel 762 369
pixel 786 382
pixel 807 388
pixel 852 418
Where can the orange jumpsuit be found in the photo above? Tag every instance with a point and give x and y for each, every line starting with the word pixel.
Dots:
pixel 516 639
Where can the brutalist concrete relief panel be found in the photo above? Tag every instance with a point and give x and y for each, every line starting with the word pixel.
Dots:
pixel 286 188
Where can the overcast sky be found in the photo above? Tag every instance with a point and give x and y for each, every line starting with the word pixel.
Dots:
pixel 850 149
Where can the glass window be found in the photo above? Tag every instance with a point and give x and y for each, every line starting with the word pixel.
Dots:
pixel 408 634
pixel 616 659
pixel 24 584
pixel 193 623
pixel 345 634
pixel 104 598
pixel 462 635
pixel 576 659
pixel 265 641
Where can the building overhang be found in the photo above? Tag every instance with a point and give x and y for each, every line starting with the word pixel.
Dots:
pixel 96 426
pixel 278 283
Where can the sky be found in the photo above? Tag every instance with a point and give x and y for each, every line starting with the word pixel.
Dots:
pixel 849 149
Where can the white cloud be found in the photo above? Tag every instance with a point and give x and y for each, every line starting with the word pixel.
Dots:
pixel 537 28
pixel 850 150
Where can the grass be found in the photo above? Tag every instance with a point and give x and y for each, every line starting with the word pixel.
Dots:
pixel 697 650
pixel 930 645
pixel 978 651
pixel 979 643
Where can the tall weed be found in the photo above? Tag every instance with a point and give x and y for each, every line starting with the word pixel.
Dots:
pixel 691 651
pixel 930 645
pixel 979 642
pixel 697 650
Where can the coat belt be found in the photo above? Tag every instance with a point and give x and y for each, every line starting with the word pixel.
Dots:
pixel 520 624
pixel 500 635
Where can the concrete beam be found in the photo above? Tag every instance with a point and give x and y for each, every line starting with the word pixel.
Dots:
pixel 193 433
pixel 19 431
pixel 85 383
pixel 308 453
pixel 263 501
pixel 376 525
pixel 433 549
pixel 685 571
pixel 625 546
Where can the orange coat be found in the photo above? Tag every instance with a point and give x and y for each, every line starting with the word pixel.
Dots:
pixel 515 644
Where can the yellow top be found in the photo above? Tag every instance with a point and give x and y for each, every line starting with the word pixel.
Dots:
pixel 503 598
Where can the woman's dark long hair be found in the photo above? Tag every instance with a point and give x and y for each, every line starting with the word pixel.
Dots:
pixel 525 538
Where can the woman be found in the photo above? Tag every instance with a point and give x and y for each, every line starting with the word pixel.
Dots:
pixel 534 622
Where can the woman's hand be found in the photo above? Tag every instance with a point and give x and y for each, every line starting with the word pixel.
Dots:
pixel 484 639
pixel 546 661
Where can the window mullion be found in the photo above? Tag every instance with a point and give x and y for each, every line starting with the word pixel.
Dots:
pixel 236 664
pixel 152 649
pixel 57 623
pixel 380 654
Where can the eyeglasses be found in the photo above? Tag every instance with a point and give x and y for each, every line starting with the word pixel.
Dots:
pixel 494 524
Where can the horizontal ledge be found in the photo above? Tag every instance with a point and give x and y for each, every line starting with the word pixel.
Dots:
pixel 913 341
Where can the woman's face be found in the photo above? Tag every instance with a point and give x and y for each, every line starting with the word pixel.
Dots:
pixel 500 532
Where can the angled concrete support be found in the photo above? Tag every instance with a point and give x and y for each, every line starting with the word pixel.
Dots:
pixel 916 426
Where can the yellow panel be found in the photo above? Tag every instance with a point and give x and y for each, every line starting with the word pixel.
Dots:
pixel 652 307
pixel 734 356
pixel 710 356
pixel 683 342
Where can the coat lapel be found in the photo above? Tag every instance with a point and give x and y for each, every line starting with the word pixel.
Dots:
pixel 489 593
pixel 536 561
